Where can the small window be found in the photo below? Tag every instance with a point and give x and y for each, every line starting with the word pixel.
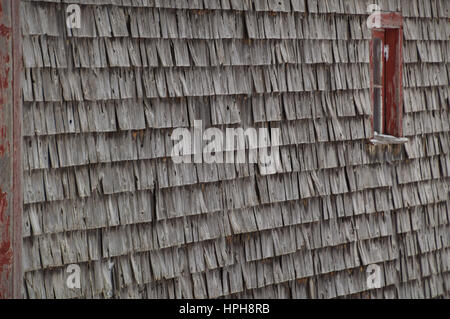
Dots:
pixel 386 88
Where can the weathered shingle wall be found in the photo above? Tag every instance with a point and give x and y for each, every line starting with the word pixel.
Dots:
pixel 100 189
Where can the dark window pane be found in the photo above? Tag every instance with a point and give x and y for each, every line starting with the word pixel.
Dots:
pixel 377 111
pixel 377 60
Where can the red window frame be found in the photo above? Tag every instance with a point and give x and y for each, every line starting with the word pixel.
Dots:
pixel 386 86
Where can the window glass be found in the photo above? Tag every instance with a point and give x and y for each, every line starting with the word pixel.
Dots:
pixel 377 60
pixel 377 111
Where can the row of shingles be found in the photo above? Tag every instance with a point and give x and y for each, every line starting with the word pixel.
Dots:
pixel 409 8
pixel 257 5
pixel 429 288
pixel 250 79
pixel 226 80
pixel 264 5
pixel 104 21
pixel 340 283
pixel 97 53
pixel 65 118
pixel 50 51
pixel 350 283
pixel 175 82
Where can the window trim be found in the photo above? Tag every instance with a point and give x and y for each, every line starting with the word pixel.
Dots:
pixel 389 28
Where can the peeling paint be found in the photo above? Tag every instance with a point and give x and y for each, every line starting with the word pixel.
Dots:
pixel 5 244
pixel 4 83
pixel 5 31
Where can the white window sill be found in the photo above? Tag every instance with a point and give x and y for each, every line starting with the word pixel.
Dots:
pixel 381 139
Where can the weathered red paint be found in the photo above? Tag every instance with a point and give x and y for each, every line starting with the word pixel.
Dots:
pixel 5 246
pixel 5 31
pixel 4 76
pixel 391 20
pixel 394 83
pixel 4 81
pixel 11 276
